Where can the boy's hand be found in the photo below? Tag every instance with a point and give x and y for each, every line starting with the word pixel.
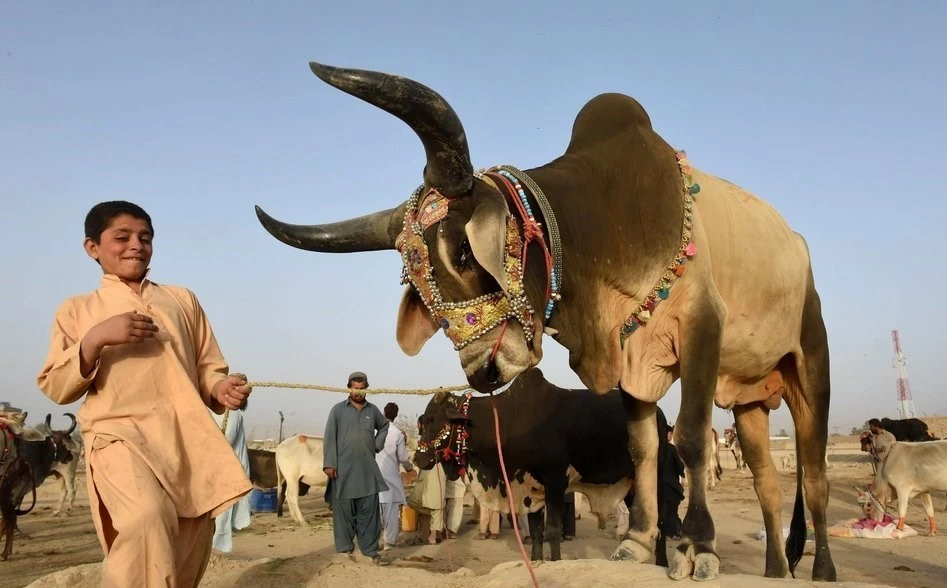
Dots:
pixel 232 391
pixel 128 327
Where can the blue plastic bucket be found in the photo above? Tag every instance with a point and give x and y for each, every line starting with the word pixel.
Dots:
pixel 263 500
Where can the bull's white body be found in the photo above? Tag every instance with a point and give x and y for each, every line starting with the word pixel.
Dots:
pixel 299 459
pixel 911 469
pixel 530 496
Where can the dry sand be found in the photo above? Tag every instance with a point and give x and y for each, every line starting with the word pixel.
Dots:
pixel 274 553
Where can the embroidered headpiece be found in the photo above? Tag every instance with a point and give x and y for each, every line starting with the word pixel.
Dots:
pixel 463 322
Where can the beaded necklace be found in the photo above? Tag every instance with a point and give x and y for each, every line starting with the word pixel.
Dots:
pixel 662 289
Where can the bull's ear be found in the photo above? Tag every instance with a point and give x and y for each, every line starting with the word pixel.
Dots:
pixel 415 324
pixel 486 233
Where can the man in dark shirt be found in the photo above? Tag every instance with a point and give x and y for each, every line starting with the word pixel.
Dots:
pixel 355 432
pixel 671 472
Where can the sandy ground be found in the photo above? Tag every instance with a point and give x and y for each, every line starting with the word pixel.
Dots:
pixel 274 553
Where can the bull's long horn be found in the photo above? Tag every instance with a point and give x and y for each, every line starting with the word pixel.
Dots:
pixel 421 108
pixel 372 232
pixel 72 417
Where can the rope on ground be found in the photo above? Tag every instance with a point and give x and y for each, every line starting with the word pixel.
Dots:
pixel 410 391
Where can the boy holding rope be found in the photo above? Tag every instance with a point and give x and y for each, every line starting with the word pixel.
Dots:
pixel 146 360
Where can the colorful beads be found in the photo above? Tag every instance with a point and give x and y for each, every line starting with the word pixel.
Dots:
pixel 662 290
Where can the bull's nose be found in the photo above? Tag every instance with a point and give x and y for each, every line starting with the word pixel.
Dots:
pixel 486 379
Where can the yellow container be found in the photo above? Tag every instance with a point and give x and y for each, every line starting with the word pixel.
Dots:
pixel 409 519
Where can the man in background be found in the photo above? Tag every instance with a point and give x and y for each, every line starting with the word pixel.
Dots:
pixel 355 431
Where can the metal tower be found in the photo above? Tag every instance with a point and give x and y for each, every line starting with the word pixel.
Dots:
pixel 905 402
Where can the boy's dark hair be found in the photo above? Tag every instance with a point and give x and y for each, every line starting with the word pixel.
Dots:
pixel 391 411
pixel 874 423
pixel 101 215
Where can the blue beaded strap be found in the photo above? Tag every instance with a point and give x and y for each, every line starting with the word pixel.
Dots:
pixel 518 179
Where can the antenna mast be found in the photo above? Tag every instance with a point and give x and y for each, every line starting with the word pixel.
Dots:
pixel 905 402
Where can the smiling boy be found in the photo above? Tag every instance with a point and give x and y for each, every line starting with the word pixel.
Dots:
pixel 145 357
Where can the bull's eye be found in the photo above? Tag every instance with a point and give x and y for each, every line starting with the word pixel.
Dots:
pixel 464 255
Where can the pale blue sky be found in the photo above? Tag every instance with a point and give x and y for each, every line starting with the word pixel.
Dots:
pixel 832 111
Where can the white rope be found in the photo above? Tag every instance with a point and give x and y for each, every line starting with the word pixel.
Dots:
pixel 410 391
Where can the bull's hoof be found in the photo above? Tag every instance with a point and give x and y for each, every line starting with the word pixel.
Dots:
pixel 629 550
pixel 688 563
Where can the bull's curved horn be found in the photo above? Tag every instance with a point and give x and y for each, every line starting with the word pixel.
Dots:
pixel 72 417
pixel 49 420
pixel 421 108
pixel 372 232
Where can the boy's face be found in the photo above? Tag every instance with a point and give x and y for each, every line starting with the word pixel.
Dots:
pixel 124 248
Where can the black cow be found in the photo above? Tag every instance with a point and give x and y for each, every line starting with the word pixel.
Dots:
pixel 553 440
pixel 24 467
pixel 907 429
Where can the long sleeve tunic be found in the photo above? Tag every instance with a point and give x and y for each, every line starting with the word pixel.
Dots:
pixel 352 438
pixel 152 395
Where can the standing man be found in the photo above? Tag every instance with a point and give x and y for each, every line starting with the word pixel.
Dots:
pixel 355 432
pixel 881 440
pixel 394 455
pixel 236 517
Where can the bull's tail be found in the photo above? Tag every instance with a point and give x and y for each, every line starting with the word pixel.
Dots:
pixel 19 512
pixel 796 542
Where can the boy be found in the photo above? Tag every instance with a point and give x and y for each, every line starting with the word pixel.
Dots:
pixel 144 355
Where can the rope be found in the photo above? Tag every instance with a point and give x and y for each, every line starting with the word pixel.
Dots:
pixel 509 493
pixel 409 391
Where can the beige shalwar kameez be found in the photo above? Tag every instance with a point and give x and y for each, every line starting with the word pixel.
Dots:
pixel 158 468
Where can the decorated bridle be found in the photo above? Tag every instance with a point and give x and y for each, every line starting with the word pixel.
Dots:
pixel 450 444
pixel 466 321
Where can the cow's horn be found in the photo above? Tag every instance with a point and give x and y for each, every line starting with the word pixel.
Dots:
pixel 49 420
pixel 421 108
pixel 72 417
pixel 372 232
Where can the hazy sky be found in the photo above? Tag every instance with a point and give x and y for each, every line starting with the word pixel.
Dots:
pixel 832 111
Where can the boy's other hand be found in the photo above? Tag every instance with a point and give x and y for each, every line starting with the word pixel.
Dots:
pixel 232 391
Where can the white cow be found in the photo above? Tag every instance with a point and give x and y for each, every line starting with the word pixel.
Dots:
pixel 908 470
pixel 298 459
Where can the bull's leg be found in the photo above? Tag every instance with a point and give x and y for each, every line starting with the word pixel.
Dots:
pixel 929 509
pixel 70 482
pixel 904 497
pixel 8 526
pixel 536 533
pixel 810 413
pixel 555 506
pixel 639 542
pixel 292 497
pixel 753 427
pixel 63 489
pixel 696 555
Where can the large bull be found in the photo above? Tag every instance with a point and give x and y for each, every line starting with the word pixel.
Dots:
pixel 586 249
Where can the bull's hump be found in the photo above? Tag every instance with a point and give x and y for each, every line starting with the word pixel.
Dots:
pixel 607 113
